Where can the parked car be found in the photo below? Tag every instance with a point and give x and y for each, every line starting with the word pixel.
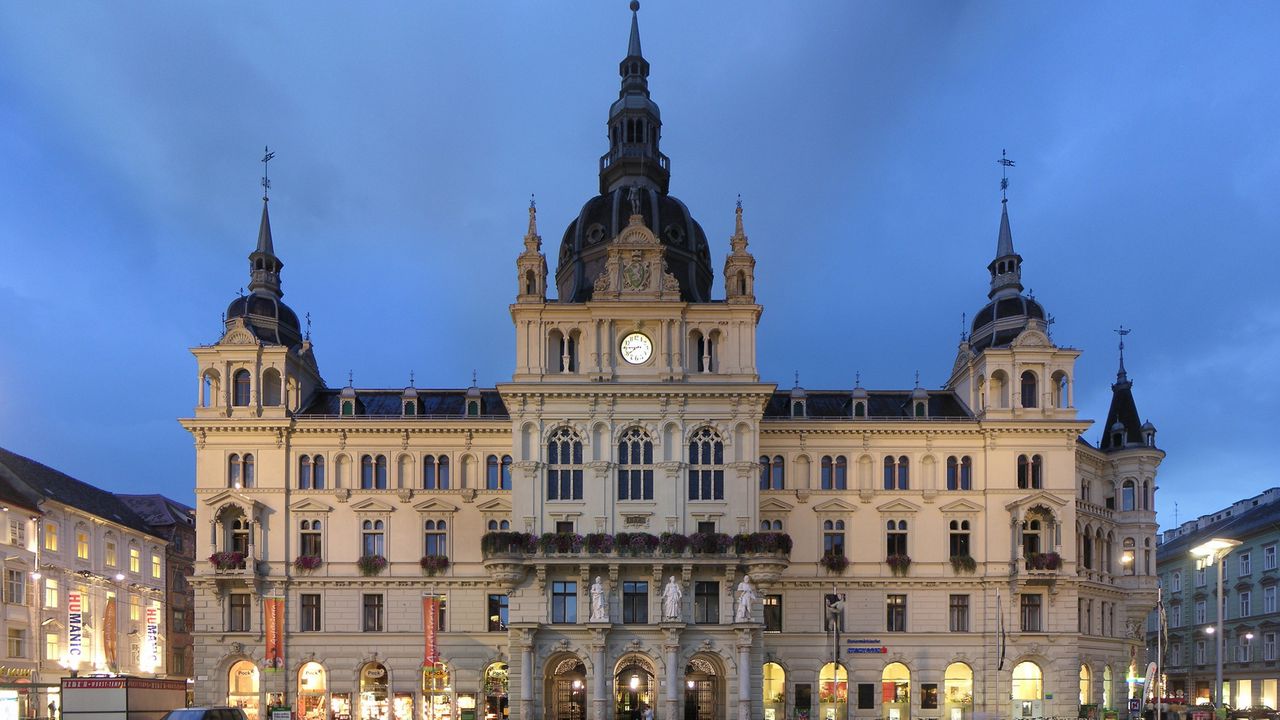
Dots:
pixel 1254 712
pixel 206 713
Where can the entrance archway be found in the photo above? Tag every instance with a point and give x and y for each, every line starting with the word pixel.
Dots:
pixel 633 687
pixel 242 688
pixel 313 691
pixel 774 684
pixel 495 691
pixel 895 692
pixel 701 690
pixel 833 691
pixel 566 689
pixel 373 692
pixel 957 691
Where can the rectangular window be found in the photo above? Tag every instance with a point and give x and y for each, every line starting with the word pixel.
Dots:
pixel 135 560
pixel 1246 604
pixel 51 537
pixel 1269 557
pixel 82 545
pixel 178 662
pixel 52 647
pixel 1246 564
pixel 17 643
pixel 564 602
pixel 237 612
pixel 435 538
pixel 1269 600
pixel 50 593
pixel 564 526
pixel 15 587
pixel 1199 652
pixel 866 696
pixel 1175 583
pixel 773 613
pixel 706 526
pixel 309 539
pixel 372 615
pixel 635 602
pixel 155 566
pixel 179 621
pixel 1175 616
pixel 895 539
pixel 706 602
pixel 1199 577
pixel 109 553
pixel 928 696
pixel 1175 654
pixel 309 620
pixel 135 611
pixel 1269 646
pixel 896 613
pixel 959 613
pixel 18 533
pixel 1244 651
pixel 442 611
pixel 498 613
pixel 1031 606
pixel 1200 612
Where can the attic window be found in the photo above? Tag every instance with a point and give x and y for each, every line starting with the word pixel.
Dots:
pixel 919 409
pixel 473 408
pixel 859 409
pixel 410 408
pixel 348 407
pixel 797 409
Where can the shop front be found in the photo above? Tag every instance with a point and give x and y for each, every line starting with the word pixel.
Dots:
pixel 1028 691
pixel 833 692
pixel 895 692
pixel 242 688
pixel 957 691
pixel 437 692
pixel 374 701
pixel 495 692
pixel 774 682
pixel 313 691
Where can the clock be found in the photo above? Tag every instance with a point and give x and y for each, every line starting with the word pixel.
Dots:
pixel 636 348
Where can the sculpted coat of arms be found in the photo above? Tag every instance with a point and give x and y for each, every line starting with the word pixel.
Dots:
pixel 635 275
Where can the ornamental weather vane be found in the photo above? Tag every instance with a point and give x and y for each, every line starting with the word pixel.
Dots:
pixel 1005 163
pixel 267 157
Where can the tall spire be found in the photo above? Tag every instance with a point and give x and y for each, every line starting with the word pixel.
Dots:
pixel 264 266
pixel 635 126
pixel 1006 268
pixel 1123 427
pixel 1122 377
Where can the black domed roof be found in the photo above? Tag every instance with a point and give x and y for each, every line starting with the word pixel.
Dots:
pixel 585 245
pixel 270 319
pixel 1002 320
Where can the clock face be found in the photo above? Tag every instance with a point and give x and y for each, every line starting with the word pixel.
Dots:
pixel 636 348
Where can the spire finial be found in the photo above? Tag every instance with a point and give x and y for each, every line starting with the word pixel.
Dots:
pixel 410 378
pixel 797 378
pixel 857 379
pixel 1005 163
pixel 308 327
pixel 473 377
pixel 533 215
pixel 267 156
pixel 964 327
pixel 351 379
pixel 917 378
pixel 1121 375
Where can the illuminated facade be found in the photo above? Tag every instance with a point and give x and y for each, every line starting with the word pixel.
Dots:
pixel 581 534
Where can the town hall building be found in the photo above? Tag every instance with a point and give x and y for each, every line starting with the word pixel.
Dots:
pixel 637 520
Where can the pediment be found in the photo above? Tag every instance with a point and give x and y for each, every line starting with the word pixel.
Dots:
pixel 495 505
pixel 310 505
pixel 774 504
pixel 961 506
pixel 435 505
pixel 372 505
pixel 238 333
pixel 898 505
pixel 230 496
pixel 1039 497
pixel 834 505
pixel 1032 338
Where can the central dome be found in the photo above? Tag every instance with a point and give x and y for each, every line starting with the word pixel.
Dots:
pixel 585 245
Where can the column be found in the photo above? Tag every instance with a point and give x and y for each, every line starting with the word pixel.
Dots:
pixel 744 677
pixel 526 682
pixel 597 681
pixel 672 709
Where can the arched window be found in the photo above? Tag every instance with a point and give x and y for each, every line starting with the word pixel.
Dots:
pixel 833 690
pixel 241 384
pixel 1128 495
pixel 207 390
pixel 1084 685
pixel 966 473
pixel 429 477
pixel 564 465
pixel 835 473
pixel 530 283
pixel 434 538
pixel 770 526
pixel 953 473
pixel 889 472
pixel 859 409
pixel 959 540
pixel 897 473
pixel 895 681
pixel 248 473
pixel 373 472
pixel 959 473
pixel 1031 544
pixel 233 471
pixel 635 465
pixel 271 392
pixel 305 476
pixel 366 472
pixel 492 481
pixel 772 473
pixel 495 525
pixel 1028 682
pixel 774 682
pixel 1029 392
pixel 1030 470
pixel 504 473
pixel 373 537
pixel 957 685
pixel 706 465
pixel 1086 549
pixel 1060 394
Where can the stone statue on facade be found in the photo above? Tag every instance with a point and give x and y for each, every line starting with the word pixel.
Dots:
pixel 746 597
pixel 599 602
pixel 672 598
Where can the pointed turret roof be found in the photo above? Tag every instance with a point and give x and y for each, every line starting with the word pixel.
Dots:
pixel 1004 243
pixel 264 232
pixel 633 45
pixel 1123 412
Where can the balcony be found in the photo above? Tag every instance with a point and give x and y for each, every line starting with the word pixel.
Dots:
pixel 1098 511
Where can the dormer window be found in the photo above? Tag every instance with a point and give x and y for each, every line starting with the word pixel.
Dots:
pixel 919 410
pixel 798 408
pixel 860 409
pixel 348 407
pixel 473 408
pixel 410 408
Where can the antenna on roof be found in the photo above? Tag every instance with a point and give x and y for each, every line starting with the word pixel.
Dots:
pixel 1005 163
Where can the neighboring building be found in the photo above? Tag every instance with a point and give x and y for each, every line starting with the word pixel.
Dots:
pixel 84 579
pixel 174 522
pixel 636 406
pixel 1251 621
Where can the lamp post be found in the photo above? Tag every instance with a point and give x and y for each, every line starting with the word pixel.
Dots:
pixel 1213 552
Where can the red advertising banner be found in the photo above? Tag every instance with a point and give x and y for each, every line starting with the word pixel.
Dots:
pixel 430 628
pixel 274 622
pixel 109 633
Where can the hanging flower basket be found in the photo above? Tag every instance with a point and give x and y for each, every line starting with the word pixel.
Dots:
pixel 307 563
pixel 601 543
pixel 834 562
pixel 635 543
pixel 371 564
pixel 898 564
pixel 434 564
pixel 762 542
pixel 710 543
pixel 673 543
pixel 504 542
pixel 963 563
pixel 563 543
pixel 1044 561
pixel 227 560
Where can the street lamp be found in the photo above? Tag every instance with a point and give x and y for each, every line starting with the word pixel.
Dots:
pixel 1209 553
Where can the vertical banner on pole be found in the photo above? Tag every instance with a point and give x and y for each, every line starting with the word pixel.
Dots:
pixel 430 629
pixel 109 632
pixel 274 622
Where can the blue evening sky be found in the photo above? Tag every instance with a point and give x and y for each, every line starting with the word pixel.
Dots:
pixel 862 136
